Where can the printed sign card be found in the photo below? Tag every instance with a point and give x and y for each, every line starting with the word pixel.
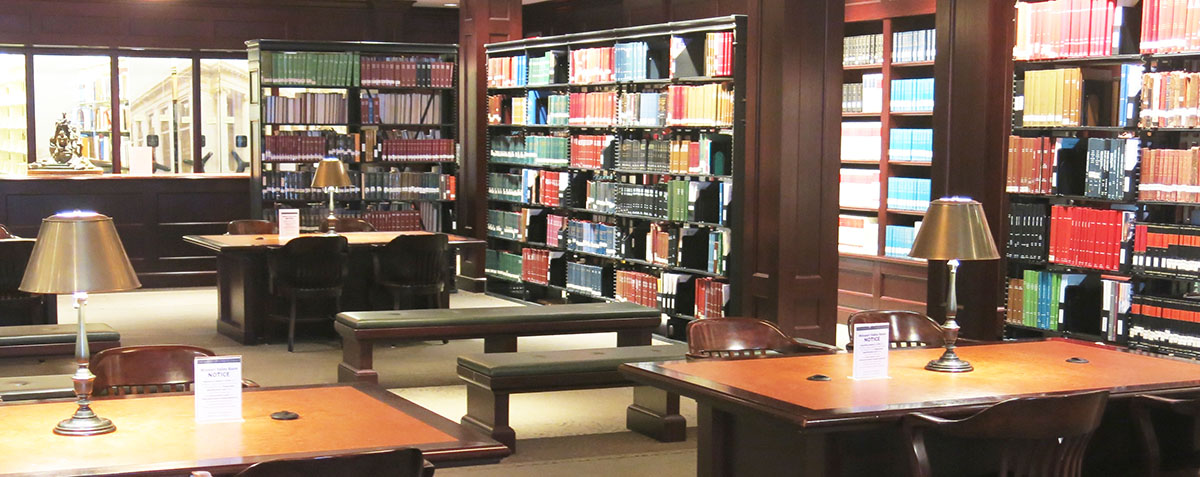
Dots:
pixel 871 350
pixel 289 222
pixel 218 389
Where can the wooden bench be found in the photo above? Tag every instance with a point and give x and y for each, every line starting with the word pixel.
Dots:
pixel 492 377
pixel 19 388
pixel 54 340
pixel 499 328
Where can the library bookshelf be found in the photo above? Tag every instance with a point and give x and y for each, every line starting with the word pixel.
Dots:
pixel 615 164
pixel 887 155
pixel 385 109
pixel 1102 168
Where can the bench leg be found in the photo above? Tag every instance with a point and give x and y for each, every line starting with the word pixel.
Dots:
pixel 655 413
pixel 634 337
pixel 500 344
pixel 357 359
pixel 487 412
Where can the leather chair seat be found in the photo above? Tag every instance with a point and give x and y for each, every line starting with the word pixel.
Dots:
pixel 50 334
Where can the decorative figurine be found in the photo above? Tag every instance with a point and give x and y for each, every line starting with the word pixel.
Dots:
pixel 66 152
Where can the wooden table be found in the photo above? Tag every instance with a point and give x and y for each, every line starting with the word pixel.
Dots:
pixel 764 417
pixel 158 435
pixel 242 275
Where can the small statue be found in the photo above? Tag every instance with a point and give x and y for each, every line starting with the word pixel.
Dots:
pixel 65 150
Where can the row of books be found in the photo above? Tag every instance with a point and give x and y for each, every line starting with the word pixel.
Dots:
pixel 1067 29
pixel 503 264
pixel 1052 97
pixel 1070 302
pixel 1170 99
pixel 507 225
pixel 865 97
pixel 535 265
pixel 297 185
pixel 643 109
pixel 414 186
pixel 1087 237
pixel 402 108
pixel 1109 168
pixel 898 239
pixel 914 46
pixel 558 110
pixel 393 220
pixel 556 228
pixel 310 68
pixel 549 68
pixel 592 109
pixel 1164 325
pixel 312 219
pixel 585 279
pixel 531 150
pixel 305 108
pixel 701 105
pixel 910 145
pixel 703 154
pixel 1166 248
pixel 310 146
pixel 631 61
pixel 1026 231
pixel 911 95
pixel 406 72
pixel 529 186
pixel 591 151
pixel 637 287
pixel 592 65
pixel 1034 298
pixel 373 139
pixel 591 237
pixel 1170 26
pixel 1170 175
pixel 859 188
pixel 1030 164
pixel 705 201
pixel 858 234
pixel 97 117
pixel 712 296
pixel 718 54
pixel 506 71
pixel 862 50
pixel 862 140
pixel 520 113
pixel 908 193
pixel 417 150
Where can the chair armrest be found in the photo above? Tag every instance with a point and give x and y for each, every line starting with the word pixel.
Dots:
pixel 817 345
pixel 246 383
pixel 1185 407
pixel 919 419
pixel 201 473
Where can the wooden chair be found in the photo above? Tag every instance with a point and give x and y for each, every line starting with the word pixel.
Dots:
pixel 17 307
pixel 909 329
pixel 1142 407
pixel 1042 436
pixel 305 268
pixel 411 267
pixel 733 338
pixel 405 462
pixel 251 227
pixel 147 369
pixel 349 225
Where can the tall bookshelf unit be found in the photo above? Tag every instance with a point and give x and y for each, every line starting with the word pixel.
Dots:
pixel 615 164
pixel 386 109
pixel 887 136
pixel 1102 177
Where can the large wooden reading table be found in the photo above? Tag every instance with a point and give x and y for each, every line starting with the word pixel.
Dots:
pixel 242 275
pixel 764 417
pixel 157 433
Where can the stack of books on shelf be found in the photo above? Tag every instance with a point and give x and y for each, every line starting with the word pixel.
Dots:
pixel 417 150
pixel 676 293
pixel 865 97
pixel 518 112
pixel 559 110
pixel 707 154
pixel 642 109
pixel 637 287
pixel 1165 325
pixel 718 54
pixel 543 70
pixel 1033 300
pixel 1170 99
pixel 506 225
pixel 503 264
pixel 650 155
pixel 862 141
pixel 898 239
pixel 306 108
pixel 593 109
pixel 1052 98
pixel 406 72
pixel 556 228
pixel 310 68
pixel 1089 238
pixel 863 50
pixel 408 186
pixel 601 196
pixel 1170 26
pixel 631 60
pixel 859 188
pixel 1027 224
pixel 1067 29
pixel 648 201
pixel 908 193
pixel 506 186
pixel 701 105
pixel 585 279
pixel 914 46
pixel 1166 248
pixel 711 297
pixel 393 220
pixel 310 146
pixel 535 265
pixel 908 145
pixel 552 186
pixel 297 185
pixel 1170 175
pixel 591 151
pixel 401 108
pixel 596 238
pixel 858 234
pixel 592 65
pixel 530 150
pixel 912 95
pixel 506 72
pixel 1110 164
pixel 1030 164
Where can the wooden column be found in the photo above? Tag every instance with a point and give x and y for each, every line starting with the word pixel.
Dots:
pixel 480 22
pixel 973 97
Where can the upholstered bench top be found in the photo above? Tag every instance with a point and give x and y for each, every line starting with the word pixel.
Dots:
pixel 567 361
pixel 50 334
pixel 17 388
pixel 496 315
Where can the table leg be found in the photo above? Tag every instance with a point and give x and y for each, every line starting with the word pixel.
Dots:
pixel 655 413
pixel 634 337
pixel 470 275
pixel 241 291
pixel 358 358
pixel 487 412
pixel 747 443
pixel 500 344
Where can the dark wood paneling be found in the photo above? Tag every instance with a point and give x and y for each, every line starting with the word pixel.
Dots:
pixel 860 10
pixel 151 215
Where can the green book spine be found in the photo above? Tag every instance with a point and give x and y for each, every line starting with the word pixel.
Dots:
pixel 1055 298
pixel 1030 298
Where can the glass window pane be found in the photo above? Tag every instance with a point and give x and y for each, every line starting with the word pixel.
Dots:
pixel 13 146
pixel 225 114
pixel 78 88
pixel 156 115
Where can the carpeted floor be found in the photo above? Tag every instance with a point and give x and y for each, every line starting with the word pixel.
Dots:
pixel 574 433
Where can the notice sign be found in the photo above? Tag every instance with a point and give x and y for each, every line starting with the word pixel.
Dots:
pixel 218 389
pixel 289 222
pixel 871 350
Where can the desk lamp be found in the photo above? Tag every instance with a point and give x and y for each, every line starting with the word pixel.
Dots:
pixel 331 174
pixel 954 229
pixel 79 252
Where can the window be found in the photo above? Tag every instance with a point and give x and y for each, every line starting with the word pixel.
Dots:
pixel 156 97
pixel 225 115
pixel 78 88
pixel 13 145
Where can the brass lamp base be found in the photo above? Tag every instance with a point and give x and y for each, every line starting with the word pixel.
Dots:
pixel 949 363
pixel 84 423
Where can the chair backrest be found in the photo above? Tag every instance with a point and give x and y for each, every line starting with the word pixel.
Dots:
pixel 732 338
pixel 1040 436
pixel 251 227
pixel 14 257
pixel 413 260
pixel 909 329
pixel 312 262
pixel 406 462
pixel 145 369
pixel 349 225
pixel 1175 451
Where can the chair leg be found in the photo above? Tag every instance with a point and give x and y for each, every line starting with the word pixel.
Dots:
pixel 292 325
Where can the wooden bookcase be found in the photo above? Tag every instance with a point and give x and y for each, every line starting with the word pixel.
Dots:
pixel 1129 301
pixel 422 179
pixel 869 277
pixel 714 219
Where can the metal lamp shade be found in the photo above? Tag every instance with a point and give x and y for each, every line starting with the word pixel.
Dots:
pixel 954 228
pixel 331 173
pixel 78 252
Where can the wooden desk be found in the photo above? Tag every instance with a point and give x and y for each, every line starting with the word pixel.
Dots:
pixel 242 275
pixel 763 417
pixel 158 435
